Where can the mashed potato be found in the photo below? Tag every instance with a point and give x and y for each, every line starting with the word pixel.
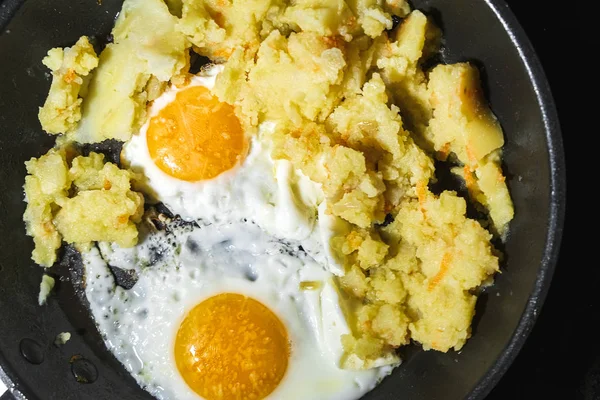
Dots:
pixel 62 110
pixel 353 108
pixel 78 200
pixel 366 121
pixel 147 52
pixel 218 29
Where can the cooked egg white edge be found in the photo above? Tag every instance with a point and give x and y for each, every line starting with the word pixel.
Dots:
pixel 165 293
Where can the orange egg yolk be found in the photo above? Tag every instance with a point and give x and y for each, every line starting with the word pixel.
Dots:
pixel 232 347
pixel 195 137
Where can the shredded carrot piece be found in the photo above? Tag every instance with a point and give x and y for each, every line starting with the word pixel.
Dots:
pixel 223 53
pixel 354 239
pixel 421 194
pixel 471 154
pixel 70 76
pixel 444 266
pixel 444 152
pixel 333 41
pixel 48 227
pixel 469 179
pixel 501 178
pixel 388 207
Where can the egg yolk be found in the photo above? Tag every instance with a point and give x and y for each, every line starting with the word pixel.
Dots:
pixel 195 137
pixel 232 347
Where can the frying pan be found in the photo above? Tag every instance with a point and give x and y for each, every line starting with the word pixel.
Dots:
pixel 482 31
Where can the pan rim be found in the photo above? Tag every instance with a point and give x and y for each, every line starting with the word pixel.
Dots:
pixel 555 226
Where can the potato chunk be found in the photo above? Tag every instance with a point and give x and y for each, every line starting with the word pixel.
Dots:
pixel 100 215
pixel 462 121
pixel 45 185
pixel 400 61
pixel 89 201
pixel 62 109
pixel 147 51
pixel 315 65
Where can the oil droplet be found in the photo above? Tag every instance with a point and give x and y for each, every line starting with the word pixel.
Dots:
pixel 83 369
pixel 32 351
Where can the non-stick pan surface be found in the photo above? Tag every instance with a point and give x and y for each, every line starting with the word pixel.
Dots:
pixel 482 31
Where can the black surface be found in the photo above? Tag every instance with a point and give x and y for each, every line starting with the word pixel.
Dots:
pixel 561 357
pixel 472 33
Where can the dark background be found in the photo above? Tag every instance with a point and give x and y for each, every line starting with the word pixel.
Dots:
pixel 561 357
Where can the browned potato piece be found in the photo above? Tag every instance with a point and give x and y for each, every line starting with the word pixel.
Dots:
pixel 462 121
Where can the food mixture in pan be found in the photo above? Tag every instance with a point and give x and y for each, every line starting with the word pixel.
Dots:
pixel 278 211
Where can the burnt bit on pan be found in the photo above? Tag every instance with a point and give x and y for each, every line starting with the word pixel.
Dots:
pixel 197 62
pixel 155 220
pixel 389 218
pixel 110 148
pixel 126 278
pixel 70 269
pixel 157 217
pixel 162 209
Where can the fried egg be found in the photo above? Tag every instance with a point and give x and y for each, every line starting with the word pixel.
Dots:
pixel 223 311
pixel 195 159
pixel 236 297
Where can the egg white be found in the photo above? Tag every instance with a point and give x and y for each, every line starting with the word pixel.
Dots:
pixel 182 266
pixel 274 195
pixel 259 229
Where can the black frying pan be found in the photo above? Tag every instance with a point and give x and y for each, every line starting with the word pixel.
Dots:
pixel 482 31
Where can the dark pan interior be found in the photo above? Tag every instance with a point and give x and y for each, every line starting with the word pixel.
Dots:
pixel 481 31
